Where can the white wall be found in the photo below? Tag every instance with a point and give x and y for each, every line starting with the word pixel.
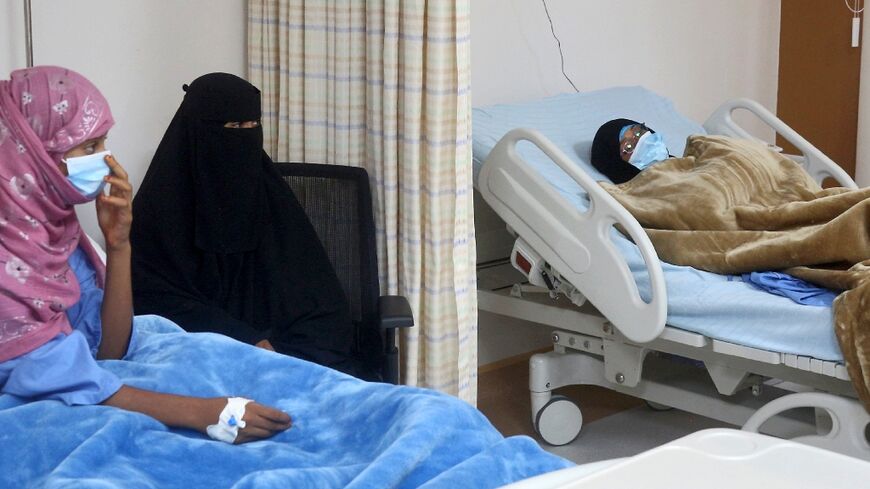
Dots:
pixel 12 52
pixel 697 53
pixel 138 52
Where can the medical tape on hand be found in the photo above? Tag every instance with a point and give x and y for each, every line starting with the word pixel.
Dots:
pixel 229 421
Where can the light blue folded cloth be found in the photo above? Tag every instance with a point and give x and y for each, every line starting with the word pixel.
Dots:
pixel 794 288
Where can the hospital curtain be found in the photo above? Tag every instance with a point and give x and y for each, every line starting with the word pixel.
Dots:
pixel 384 84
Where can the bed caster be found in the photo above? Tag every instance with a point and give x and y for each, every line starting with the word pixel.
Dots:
pixel 559 421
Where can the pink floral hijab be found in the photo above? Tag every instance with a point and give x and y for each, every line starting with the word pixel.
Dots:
pixel 44 112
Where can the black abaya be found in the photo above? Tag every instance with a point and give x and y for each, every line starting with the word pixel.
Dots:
pixel 221 244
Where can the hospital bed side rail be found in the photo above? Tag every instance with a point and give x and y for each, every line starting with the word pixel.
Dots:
pixel 817 164
pixel 576 243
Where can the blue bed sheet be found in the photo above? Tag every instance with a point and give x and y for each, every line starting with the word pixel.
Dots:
pixel 717 306
pixel 346 433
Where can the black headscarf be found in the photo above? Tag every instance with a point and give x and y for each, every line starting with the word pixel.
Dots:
pixel 606 154
pixel 220 242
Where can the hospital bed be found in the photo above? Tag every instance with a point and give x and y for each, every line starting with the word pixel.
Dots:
pixel 734 458
pixel 620 318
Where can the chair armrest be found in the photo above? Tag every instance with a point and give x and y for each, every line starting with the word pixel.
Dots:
pixel 394 311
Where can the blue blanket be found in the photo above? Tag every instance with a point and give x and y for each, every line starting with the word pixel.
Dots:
pixel 346 433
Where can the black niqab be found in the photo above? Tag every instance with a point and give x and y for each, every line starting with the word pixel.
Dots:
pixel 220 242
pixel 606 154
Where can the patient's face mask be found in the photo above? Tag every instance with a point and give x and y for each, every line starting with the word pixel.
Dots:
pixel 649 149
pixel 86 173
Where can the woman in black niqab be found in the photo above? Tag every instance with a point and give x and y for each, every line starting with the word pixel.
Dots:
pixel 221 244
pixel 606 152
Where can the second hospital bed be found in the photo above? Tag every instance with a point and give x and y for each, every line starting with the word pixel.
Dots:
pixel 531 165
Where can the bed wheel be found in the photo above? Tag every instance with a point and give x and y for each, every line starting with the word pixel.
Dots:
pixel 656 406
pixel 559 421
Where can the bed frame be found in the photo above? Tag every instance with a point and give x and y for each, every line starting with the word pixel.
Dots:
pixel 603 332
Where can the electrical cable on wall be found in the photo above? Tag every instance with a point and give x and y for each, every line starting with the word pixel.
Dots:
pixel 856 19
pixel 855 10
pixel 559 44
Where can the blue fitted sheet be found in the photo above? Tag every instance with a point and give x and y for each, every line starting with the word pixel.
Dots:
pixel 717 306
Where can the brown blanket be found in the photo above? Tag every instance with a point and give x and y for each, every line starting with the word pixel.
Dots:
pixel 734 206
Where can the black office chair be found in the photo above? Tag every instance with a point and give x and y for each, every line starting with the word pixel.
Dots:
pixel 338 202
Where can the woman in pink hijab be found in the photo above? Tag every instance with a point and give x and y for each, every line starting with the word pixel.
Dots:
pixel 60 308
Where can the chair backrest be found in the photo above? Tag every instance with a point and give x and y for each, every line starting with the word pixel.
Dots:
pixel 338 202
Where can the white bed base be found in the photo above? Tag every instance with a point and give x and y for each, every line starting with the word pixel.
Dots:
pixel 569 253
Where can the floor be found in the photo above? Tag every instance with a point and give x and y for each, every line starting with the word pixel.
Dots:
pixel 614 425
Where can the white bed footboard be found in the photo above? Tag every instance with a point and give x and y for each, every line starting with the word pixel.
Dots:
pixel 568 239
pixel 817 164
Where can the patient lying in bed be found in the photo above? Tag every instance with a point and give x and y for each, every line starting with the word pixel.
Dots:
pixel 622 148
pixel 733 206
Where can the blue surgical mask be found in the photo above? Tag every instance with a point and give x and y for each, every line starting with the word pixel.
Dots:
pixel 649 149
pixel 86 173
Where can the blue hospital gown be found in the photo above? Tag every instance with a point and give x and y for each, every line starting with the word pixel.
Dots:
pixel 65 368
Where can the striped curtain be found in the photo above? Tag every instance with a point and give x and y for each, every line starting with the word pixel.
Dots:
pixel 384 84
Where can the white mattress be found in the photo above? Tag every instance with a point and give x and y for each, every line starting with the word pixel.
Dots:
pixel 717 306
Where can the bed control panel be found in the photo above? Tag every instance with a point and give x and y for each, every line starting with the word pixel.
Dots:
pixel 524 259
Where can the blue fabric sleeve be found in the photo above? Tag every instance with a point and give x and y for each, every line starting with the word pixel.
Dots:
pixel 85 315
pixel 65 368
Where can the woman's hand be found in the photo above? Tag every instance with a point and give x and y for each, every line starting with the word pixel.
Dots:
pixel 262 422
pixel 115 210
